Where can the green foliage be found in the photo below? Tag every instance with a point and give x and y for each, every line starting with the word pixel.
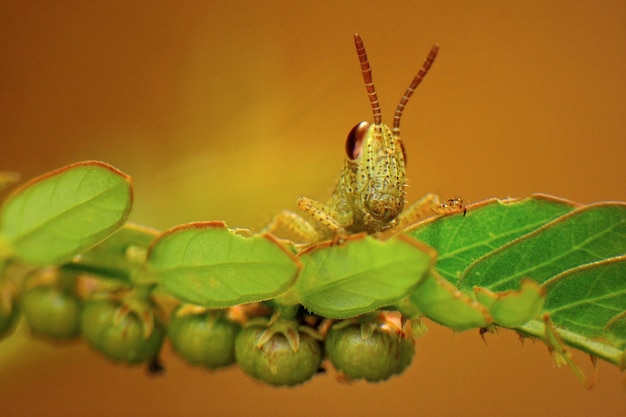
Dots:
pixel 362 274
pixel 120 256
pixel 56 216
pixel 208 265
pixel 461 240
pixel 588 234
pixel 443 303
pixel 543 267
pixel 572 257
pixel 588 299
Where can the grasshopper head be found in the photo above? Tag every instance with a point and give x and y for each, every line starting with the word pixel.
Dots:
pixel 375 155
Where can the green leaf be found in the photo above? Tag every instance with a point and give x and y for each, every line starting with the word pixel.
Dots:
pixel 615 332
pixel 543 267
pixel 600 348
pixel 362 274
pixel 209 265
pixel 56 216
pixel 443 303
pixel 513 308
pixel 588 234
pixel 461 240
pixel 119 255
pixel 586 299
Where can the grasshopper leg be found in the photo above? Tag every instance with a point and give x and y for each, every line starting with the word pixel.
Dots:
pixel 427 206
pixel 419 210
pixel 323 215
pixel 294 222
pixel 321 223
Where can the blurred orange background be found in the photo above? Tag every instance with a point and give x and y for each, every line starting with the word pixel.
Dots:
pixel 231 110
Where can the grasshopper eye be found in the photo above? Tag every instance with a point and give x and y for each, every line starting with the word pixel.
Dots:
pixel 355 140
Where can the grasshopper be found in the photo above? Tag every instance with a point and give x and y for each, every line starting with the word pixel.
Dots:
pixel 370 194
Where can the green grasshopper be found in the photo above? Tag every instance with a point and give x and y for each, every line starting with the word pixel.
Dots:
pixel 370 193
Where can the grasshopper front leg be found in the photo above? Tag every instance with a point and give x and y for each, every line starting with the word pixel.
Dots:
pixel 427 206
pixel 327 217
pixel 324 223
pixel 295 223
pixel 417 211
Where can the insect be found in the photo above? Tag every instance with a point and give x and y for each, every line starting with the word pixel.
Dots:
pixel 371 190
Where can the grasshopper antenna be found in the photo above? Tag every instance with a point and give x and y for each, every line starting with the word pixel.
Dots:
pixel 409 91
pixel 367 77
